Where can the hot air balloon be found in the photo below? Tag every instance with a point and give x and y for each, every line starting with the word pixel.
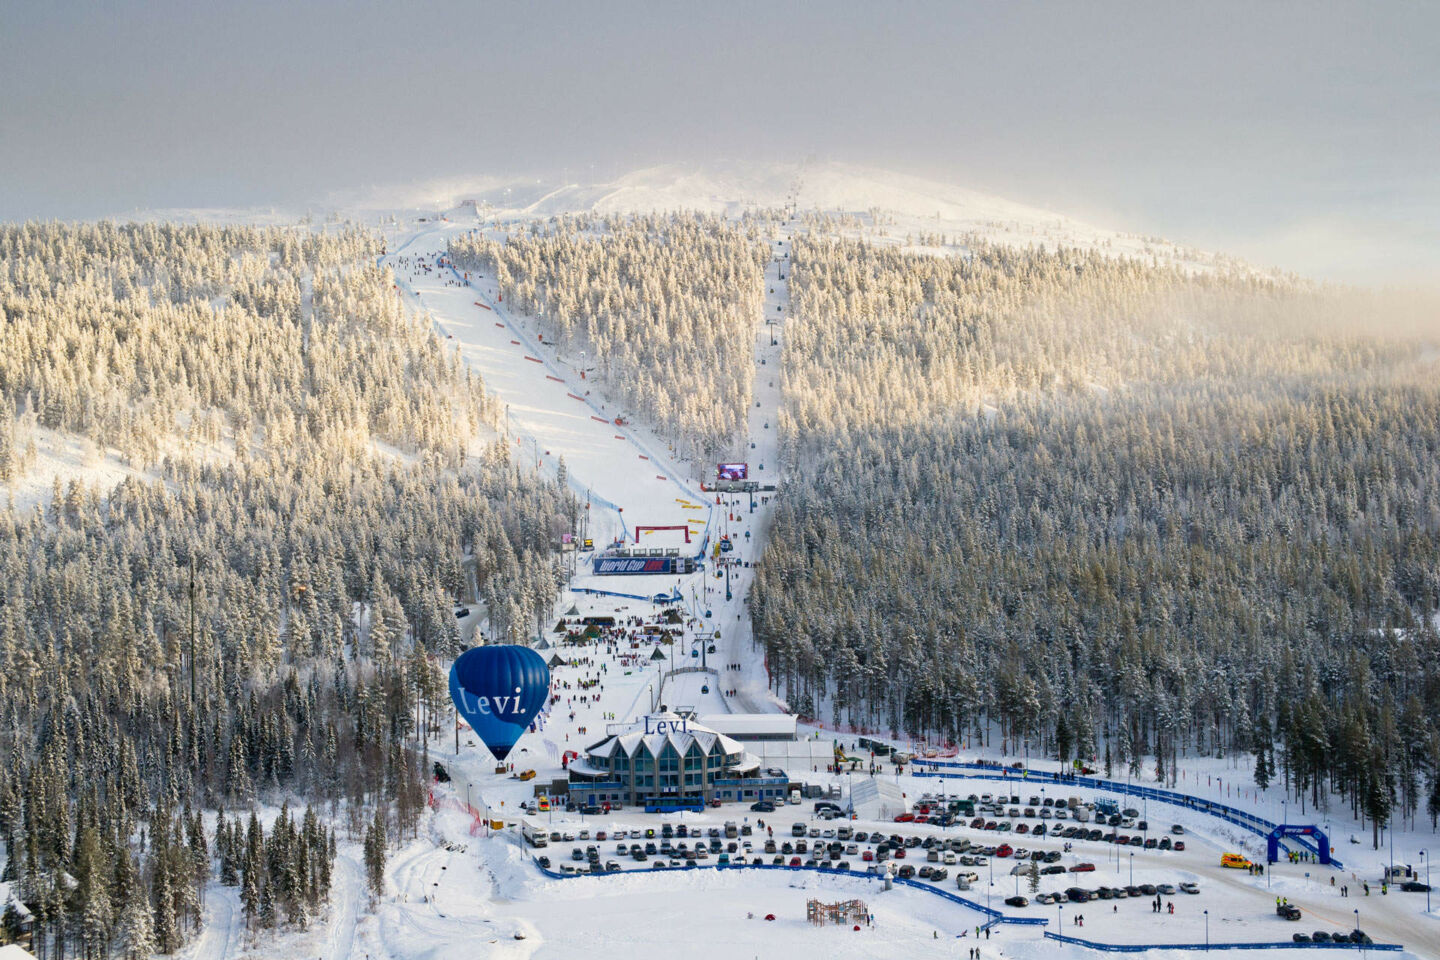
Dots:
pixel 499 690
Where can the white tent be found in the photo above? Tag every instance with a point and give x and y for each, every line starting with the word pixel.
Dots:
pixel 878 799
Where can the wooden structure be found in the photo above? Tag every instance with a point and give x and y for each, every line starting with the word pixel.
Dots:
pixel 846 912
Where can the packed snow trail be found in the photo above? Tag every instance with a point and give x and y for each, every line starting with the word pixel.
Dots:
pixel 347 894
pixel 550 403
pixel 224 924
pixel 752 683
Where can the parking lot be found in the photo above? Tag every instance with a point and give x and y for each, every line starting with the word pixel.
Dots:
pixel 1018 853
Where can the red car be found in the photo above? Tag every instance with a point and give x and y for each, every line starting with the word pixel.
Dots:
pixel 899 853
pixel 1004 850
pixel 905 818
pixel 795 861
pixel 1022 828
pixel 1083 868
pixel 867 856
pixel 978 823
pixel 1179 845
pixel 922 818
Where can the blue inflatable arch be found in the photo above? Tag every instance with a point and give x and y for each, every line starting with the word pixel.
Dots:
pixel 1272 840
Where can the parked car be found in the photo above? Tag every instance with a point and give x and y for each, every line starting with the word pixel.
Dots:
pixel 1287 911
pixel 1415 886
pixel 1083 868
pixel 763 806
pixel 1078 895
pixel 1188 887
pixel 1017 902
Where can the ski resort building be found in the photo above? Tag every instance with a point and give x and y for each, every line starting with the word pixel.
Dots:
pixel 750 727
pixel 669 760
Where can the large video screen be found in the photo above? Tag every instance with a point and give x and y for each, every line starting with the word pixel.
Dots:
pixel 732 471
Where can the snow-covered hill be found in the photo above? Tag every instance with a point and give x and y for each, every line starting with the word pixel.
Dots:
pixel 888 205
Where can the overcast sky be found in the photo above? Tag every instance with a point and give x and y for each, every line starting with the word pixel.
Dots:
pixel 1300 134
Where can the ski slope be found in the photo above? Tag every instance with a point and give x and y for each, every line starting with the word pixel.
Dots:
pixel 624 473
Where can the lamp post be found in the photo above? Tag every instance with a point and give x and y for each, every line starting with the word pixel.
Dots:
pixel 1424 855
pixel 1357 918
pixel 1207 931
pixel 1132 868
pixel 1060 918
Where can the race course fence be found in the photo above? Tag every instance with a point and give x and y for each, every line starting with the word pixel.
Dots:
pixel 1282 945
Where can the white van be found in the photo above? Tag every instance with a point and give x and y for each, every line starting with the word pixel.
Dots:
pixel 795 796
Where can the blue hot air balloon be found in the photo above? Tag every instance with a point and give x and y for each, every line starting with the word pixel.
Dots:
pixel 499 690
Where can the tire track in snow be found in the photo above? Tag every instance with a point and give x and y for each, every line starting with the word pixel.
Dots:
pixel 221 937
pixel 347 912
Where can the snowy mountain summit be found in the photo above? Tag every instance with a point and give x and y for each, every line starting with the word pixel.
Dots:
pixel 883 202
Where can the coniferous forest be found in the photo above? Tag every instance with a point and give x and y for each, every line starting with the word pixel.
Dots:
pixel 1108 508
pixel 1112 509
pixel 261 612
pixel 665 306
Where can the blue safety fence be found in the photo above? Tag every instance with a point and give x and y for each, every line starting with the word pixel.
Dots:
pixel 1241 818
pixel 1282 945
pixel 614 593
pixel 993 916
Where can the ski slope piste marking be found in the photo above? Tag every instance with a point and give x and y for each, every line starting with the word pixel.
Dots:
pixel 443 259
pixel 520 432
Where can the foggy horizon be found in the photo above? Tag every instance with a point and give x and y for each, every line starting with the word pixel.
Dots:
pixel 1299 135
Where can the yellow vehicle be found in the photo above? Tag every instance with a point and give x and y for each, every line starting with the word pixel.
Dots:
pixel 527 775
pixel 1235 860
